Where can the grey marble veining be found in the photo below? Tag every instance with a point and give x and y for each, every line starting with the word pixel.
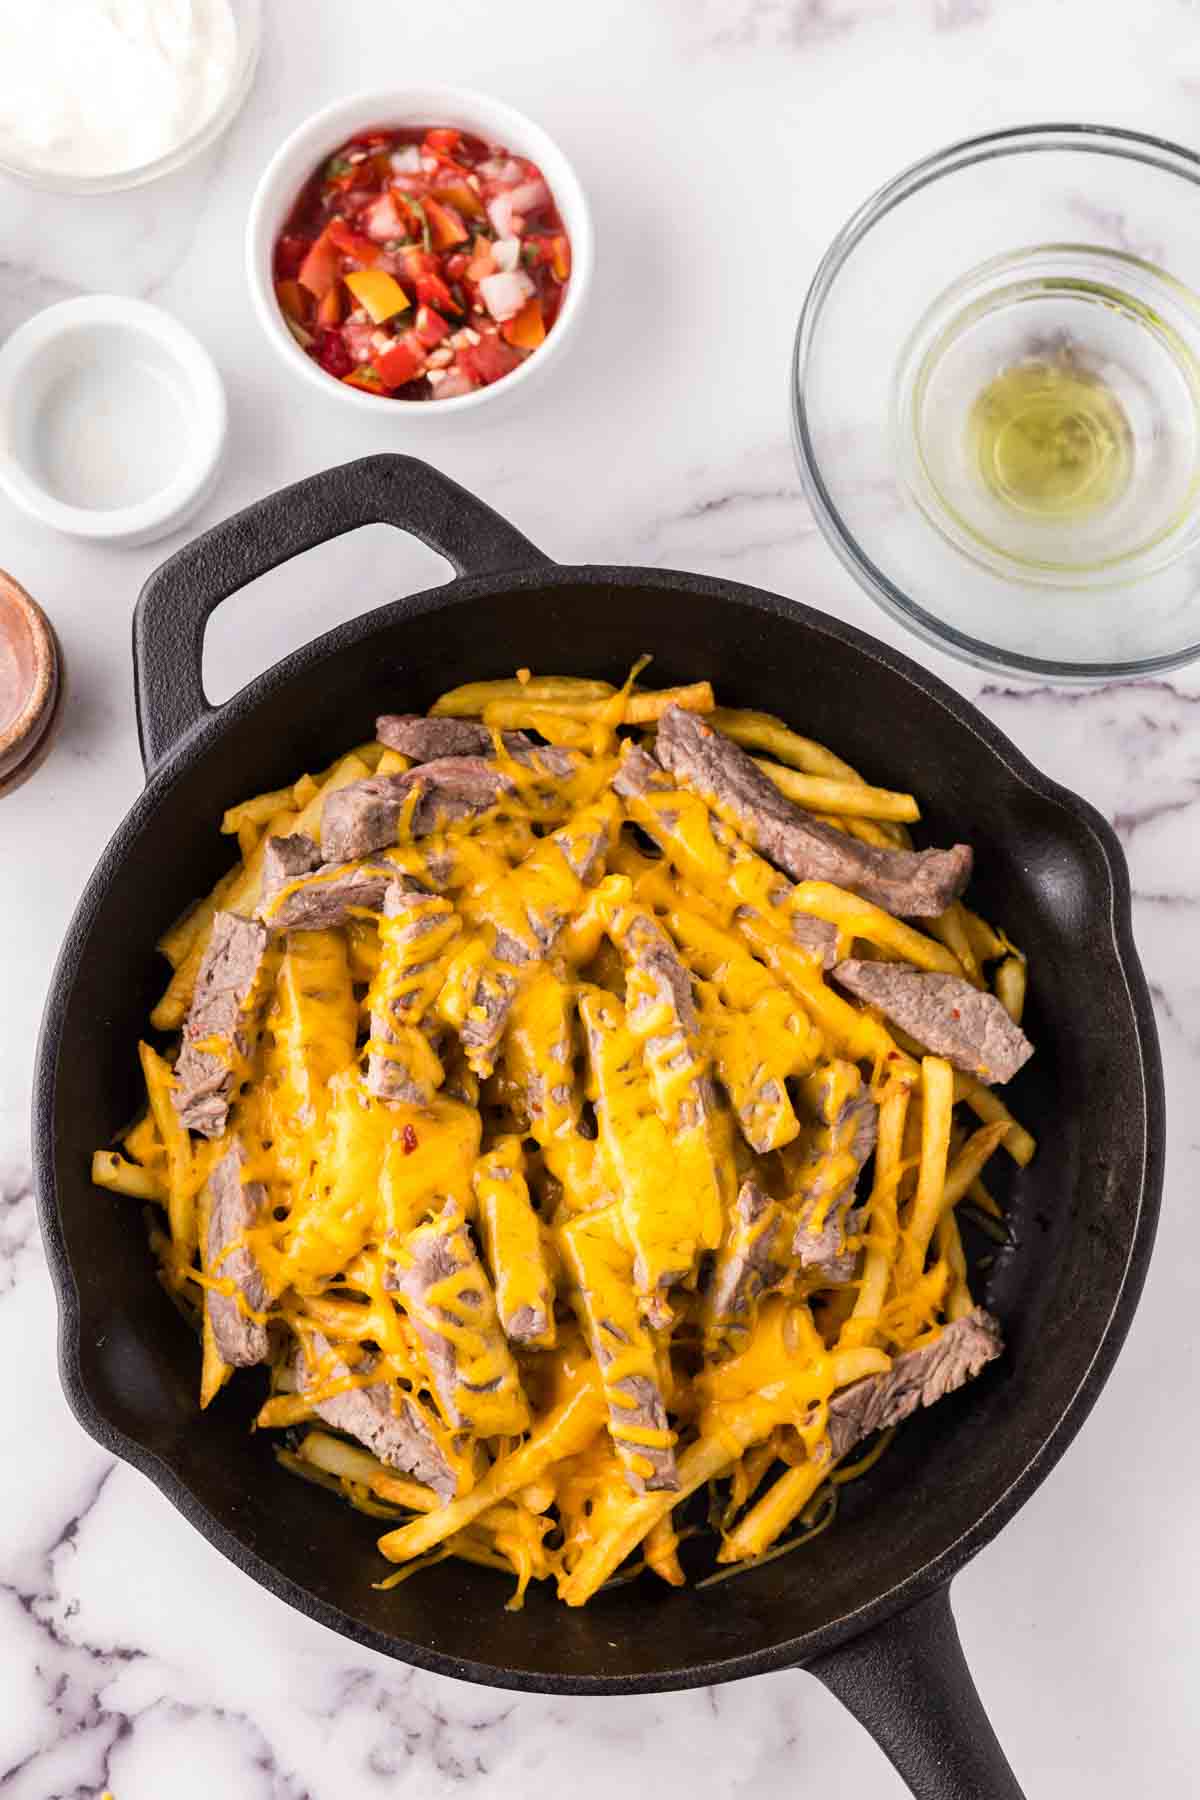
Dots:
pixel 723 141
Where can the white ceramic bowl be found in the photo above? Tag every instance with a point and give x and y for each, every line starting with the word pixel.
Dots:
pixel 112 419
pixel 247 19
pixel 307 148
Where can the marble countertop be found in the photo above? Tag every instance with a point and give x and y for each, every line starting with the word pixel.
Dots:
pixel 132 1657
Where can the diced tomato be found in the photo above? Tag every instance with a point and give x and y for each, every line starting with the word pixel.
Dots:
pixel 527 330
pixel 294 301
pixel 365 378
pixel 490 359
pixel 418 263
pixel 430 327
pixel 432 291
pixel 402 362
pixel 445 225
pixel 319 270
pixel 457 265
pixel 351 243
pixel 553 253
pixel 443 141
pixel 332 353
pixel 290 253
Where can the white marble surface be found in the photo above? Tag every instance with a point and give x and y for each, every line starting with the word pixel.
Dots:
pixel 1081 1620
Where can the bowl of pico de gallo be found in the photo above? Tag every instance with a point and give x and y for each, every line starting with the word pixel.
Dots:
pixel 427 248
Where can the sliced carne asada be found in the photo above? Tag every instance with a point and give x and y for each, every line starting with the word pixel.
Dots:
pixel 753 1260
pixel 527 912
pixel 514 1246
pixel 404 1436
pixel 970 1028
pixel 416 931
pixel 234 1206
pixel 365 816
pixel 426 740
pixel 301 893
pixel 716 857
pixel 222 1025
pixel 827 1179
pixel 450 1304
pixel 908 883
pixel 624 1351
pixel 917 1378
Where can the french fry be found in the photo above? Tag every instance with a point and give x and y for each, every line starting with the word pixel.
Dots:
pixel 762 731
pixel 392 762
pixel 937 1105
pixel 986 943
pixel 1009 981
pixel 817 793
pixel 259 810
pixel 178 939
pixel 214 1370
pixel 564 1431
pixel 110 1170
pixel 704 1460
pixel 987 1105
pixel 883 1227
pixel 859 918
pixel 770 1518
pixel 970 1159
pixel 469 701
pixel 950 929
pixel 949 1247
pixel 982 1197
pixel 180 1167
pixel 645 705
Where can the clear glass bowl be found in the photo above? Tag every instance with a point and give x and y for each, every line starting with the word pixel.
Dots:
pixel 1069 254
pixel 247 17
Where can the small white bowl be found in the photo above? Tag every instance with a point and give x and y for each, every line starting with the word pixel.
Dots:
pixel 112 419
pixel 308 147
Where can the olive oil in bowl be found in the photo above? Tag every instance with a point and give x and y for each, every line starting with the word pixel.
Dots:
pixel 1049 438
pixel 1047 414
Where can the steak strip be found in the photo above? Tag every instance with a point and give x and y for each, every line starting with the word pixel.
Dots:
pixel 849 1137
pixel 233 1207
pixel 225 1014
pixel 426 740
pixel 909 883
pixel 405 1439
pixel 639 776
pixel 365 816
pixel 752 1261
pixel 301 893
pixel 917 1378
pixel 970 1028
pixel 402 1064
pixel 470 1364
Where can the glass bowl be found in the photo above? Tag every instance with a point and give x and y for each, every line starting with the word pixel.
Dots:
pixel 247 19
pixel 996 401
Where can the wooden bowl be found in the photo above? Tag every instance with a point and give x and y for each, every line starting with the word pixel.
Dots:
pixel 30 683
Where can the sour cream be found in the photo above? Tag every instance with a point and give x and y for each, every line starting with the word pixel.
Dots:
pixel 100 87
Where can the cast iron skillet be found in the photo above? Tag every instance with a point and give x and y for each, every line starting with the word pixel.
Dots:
pixel 866 1607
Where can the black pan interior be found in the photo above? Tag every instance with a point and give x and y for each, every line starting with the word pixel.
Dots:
pixel 1045 868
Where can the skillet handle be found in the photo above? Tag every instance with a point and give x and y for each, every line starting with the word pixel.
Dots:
pixel 908 1682
pixel 176 602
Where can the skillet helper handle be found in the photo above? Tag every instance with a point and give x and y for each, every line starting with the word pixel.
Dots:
pixel 908 1682
pixel 174 607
